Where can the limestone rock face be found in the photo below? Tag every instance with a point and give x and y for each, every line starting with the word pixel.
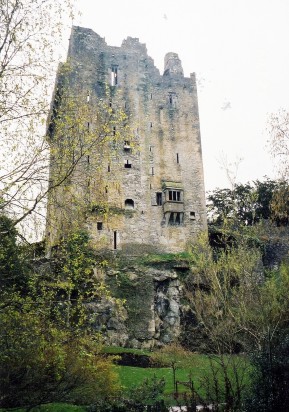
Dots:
pixel 151 316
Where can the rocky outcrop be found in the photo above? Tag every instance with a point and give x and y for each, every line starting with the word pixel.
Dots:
pixel 150 314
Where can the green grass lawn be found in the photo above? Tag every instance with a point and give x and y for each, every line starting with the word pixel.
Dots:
pixel 131 377
pixel 196 368
pixel 189 366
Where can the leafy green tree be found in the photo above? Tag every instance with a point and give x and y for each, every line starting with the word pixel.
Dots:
pixel 238 307
pixel 249 203
pixel 13 263
pixel 270 375
pixel 47 350
pixel 40 363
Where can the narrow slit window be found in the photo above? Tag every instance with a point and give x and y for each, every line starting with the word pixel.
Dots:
pixel 115 240
pixel 114 74
pixel 106 189
pixel 178 158
pixel 108 167
pixel 88 159
pixel 114 130
pixel 151 125
pixel 88 97
pixel 153 171
pixel 88 126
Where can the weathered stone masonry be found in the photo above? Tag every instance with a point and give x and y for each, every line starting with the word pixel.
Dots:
pixel 160 186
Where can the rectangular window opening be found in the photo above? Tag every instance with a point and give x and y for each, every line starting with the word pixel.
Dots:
pixel 159 198
pixel 108 167
pixel 99 225
pixel 175 195
pixel 153 171
pixel 178 159
pixel 126 146
pixel 175 218
pixel 192 215
pixel 127 165
pixel 114 130
pixel 88 159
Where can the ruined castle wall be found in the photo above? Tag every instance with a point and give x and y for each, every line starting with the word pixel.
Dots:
pixel 153 183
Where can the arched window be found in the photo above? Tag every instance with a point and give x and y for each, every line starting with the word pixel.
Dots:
pixel 129 204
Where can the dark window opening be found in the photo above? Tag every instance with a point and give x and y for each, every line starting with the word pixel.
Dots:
pixel 115 240
pixel 108 167
pixel 127 165
pixel 151 124
pixel 88 159
pixel 150 148
pixel 193 215
pixel 88 125
pixel 129 204
pixel 110 103
pixel 173 100
pixel 113 78
pixel 99 226
pixel 106 189
pixel 159 198
pixel 153 172
pixel 178 159
pixel 175 195
pixel 175 219
pixel 88 183
pixel 114 130
pixel 126 146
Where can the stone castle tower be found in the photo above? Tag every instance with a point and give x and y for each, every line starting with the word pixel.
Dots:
pixel 147 192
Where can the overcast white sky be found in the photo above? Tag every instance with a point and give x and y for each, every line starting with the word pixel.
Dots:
pixel 239 51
